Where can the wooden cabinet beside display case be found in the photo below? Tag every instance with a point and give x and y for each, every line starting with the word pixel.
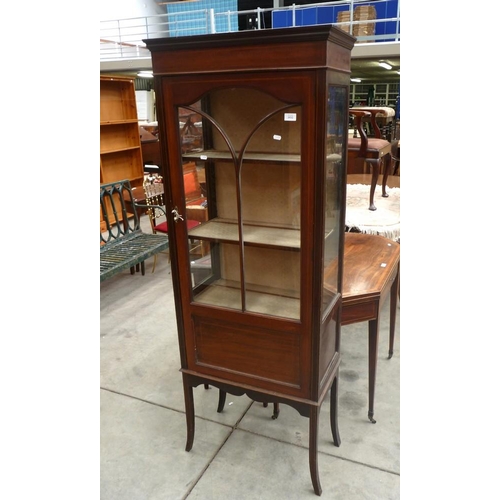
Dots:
pixel 254 316
pixel 120 143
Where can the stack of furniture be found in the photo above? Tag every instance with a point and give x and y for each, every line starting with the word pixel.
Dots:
pixel 362 13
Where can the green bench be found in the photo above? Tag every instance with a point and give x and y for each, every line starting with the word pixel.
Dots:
pixel 123 244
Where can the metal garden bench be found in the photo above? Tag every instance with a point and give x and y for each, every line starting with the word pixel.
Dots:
pixel 123 244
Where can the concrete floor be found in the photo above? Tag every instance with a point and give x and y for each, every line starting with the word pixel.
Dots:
pixel 241 453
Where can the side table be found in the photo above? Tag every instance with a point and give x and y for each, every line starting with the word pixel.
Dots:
pixel 371 274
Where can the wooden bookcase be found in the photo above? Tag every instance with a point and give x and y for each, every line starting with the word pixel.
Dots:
pixel 258 314
pixel 120 151
pixel 121 155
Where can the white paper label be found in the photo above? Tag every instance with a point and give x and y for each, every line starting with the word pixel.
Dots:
pixel 290 117
pixel 203 157
pixel 277 137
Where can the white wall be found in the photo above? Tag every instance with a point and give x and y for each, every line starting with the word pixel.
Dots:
pixel 121 9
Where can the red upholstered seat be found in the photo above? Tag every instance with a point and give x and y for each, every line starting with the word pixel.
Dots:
pixel 373 144
pixel 162 227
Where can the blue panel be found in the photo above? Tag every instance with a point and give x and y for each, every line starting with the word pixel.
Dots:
pixel 298 18
pixel 380 9
pixel 391 11
pixel 328 14
pixel 284 18
pixel 309 16
pixel 385 10
pixel 281 18
pixel 325 15
pixel 392 8
pixel 390 29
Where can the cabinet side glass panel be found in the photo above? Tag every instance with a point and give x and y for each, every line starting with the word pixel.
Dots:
pixel 333 185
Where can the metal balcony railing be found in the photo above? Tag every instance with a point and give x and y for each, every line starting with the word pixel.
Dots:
pixel 123 38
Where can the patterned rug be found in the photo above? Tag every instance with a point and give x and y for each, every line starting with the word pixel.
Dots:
pixel 384 221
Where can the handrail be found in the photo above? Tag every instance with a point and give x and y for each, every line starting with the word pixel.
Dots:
pixel 123 38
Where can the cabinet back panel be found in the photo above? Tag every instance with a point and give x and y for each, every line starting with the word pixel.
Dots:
pixel 264 267
pixel 270 193
pixel 254 353
pixel 239 110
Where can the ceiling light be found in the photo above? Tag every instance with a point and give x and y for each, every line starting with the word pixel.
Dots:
pixel 357 80
pixel 385 65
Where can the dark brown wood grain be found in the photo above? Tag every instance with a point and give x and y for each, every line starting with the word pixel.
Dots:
pixel 242 345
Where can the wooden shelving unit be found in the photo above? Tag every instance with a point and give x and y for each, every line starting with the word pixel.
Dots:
pixel 121 155
pixel 120 149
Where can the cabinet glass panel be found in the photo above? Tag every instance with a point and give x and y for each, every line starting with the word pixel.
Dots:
pixel 250 240
pixel 334 180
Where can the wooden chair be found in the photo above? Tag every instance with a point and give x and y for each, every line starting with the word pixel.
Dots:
pixel 196 202
pixel 373 151
pixel 395 152
pixel 196 211
pixel 153 193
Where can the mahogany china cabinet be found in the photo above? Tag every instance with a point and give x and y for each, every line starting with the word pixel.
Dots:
pixel 268 117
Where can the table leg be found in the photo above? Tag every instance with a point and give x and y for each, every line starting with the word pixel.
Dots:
pixel 394 303
pixel 372 364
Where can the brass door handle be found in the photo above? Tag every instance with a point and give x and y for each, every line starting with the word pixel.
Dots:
pixel 177 216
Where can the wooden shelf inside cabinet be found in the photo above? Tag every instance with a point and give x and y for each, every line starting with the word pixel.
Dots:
pixel 269 301
pixel 224 230
pixel 225 155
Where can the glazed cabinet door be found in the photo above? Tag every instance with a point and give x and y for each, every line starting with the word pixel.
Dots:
pixel 242 293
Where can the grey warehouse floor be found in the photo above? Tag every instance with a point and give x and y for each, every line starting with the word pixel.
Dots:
pixel 242 452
